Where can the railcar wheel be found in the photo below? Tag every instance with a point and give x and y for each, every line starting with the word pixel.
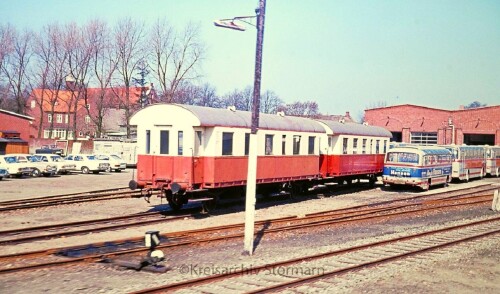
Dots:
pixel 174 200
pixel 209 205
pixel 35 172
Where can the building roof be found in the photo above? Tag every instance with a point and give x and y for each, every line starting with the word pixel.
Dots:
pixel 16 114
pixel 114 95
pixel 236 118
pixel 351 128
pixel 431 108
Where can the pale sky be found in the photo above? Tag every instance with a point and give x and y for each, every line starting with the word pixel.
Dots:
pixel 345 55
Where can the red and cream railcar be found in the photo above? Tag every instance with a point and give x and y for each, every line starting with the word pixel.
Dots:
pixel 350 151
pixel 185 150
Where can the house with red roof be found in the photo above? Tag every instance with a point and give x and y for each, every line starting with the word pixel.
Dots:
pixel 80 114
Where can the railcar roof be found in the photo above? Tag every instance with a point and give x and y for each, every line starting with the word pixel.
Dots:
pixel 350 128
pixel 228 118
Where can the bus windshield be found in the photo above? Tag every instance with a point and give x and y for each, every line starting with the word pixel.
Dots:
pixel 403 157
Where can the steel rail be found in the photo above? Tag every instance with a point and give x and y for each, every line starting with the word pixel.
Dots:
pixel 181 236
pixel 237 273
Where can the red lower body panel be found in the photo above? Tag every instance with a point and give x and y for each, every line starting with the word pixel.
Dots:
pixel 214 172
pixel 351 164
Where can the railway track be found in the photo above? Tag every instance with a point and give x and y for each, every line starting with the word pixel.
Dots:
pixel 72 198
pixel 352 216
pixel 29 234
pixel 307 270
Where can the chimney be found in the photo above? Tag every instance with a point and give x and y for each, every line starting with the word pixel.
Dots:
pixel 347 114
pixel 70 82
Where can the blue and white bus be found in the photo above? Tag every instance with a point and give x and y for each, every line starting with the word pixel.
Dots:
pixel 421 166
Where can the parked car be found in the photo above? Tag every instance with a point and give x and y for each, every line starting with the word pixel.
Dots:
pixel 41 168
pixel 63 167
pixel 3 173
pixel 17 166
pixel 116 163
pixel 88 163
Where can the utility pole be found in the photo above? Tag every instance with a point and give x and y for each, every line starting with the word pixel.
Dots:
pixel 253 144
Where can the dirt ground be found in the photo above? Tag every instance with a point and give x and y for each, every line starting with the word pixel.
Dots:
pixel 470 268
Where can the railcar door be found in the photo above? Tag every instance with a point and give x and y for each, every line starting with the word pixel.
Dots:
pixel 197 160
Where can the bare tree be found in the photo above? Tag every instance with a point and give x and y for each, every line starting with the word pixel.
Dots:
pixel 52 58
pixel 128 37
pixel 15 69
pixel 6 41
pixel 103 67
pixel 305 109
pixel 175 57
pixel 206 95
pixel 270 102
pixel 241 99
pixel 6 48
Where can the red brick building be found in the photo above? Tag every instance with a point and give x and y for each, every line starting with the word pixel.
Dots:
pixel 418 124
pixel 54 111
pixel 14 132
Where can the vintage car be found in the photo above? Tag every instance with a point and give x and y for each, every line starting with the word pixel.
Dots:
pixel 17 166
pixel 41 168
pixel 3 173
pixel 88 163
pixel 116 163
pixel 63 167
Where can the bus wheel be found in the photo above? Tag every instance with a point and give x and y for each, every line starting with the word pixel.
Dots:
pixel 427 185
pixel 372 181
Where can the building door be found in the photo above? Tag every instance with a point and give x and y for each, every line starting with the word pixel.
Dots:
pixel 479 139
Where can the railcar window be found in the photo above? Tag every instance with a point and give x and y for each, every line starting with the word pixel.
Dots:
pixel 344 145
pixel 377 146
pixel 364 146
pixel 385 146
pixel 355 146
pixel 330 139
pixel 148 141
pixel 227 143
pixel 269 145
pixel 164 142
pixel 180 142
pixel 247 143
pixel 198 141
pixel 311 145
pixel 283 145
pixel 296 144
